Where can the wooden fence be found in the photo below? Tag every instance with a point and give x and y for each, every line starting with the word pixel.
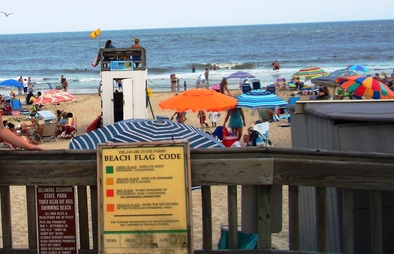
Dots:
pixel 262 167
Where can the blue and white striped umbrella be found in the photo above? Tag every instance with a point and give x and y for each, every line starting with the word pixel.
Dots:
pixel 144 130
pixel 260 99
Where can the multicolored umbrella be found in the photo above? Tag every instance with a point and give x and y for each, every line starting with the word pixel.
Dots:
pixel 260 99
pixel 54 96
pixel 241 75
pixel 342 72
pixel 144 130
pixel 357 67
pixel 365 86
pixel 199 99
pixel 311 71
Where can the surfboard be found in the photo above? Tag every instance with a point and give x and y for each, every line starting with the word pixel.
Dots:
pixel 94 125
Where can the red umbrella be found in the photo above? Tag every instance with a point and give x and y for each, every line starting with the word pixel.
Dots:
pixel 54 97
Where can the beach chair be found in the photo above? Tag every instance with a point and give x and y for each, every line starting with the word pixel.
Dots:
pixel 262 139
pixel 256 85
pixel 246 88
pixel 16 105
pixel 49 131
pixel 70 129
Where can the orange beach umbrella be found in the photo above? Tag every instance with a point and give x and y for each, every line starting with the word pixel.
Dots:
pixel 199 99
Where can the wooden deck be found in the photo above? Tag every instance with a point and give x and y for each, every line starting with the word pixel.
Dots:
pixel 261 167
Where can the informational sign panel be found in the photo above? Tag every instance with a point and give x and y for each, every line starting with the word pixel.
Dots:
pixel 145 198
pixel 56 220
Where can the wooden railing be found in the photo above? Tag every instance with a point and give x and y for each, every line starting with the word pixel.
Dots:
pixel 262 167
pixel 137 56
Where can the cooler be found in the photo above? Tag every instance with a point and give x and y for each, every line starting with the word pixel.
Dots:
pixel 229 140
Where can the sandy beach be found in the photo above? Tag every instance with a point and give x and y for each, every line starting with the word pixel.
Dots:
pixel 87 107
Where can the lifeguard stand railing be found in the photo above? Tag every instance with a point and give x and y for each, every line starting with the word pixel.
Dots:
pixel 123 58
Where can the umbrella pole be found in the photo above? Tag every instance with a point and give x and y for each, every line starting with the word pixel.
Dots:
pixel 150 106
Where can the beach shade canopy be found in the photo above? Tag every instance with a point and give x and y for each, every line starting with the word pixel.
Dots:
pixel 199 99
pixel 365 86
pixel 241 75
pixel 144 130
pixel 310 72
pixel 54 97
pixel 11 82
pixel 260 99
pixel 357 67
pixel 342 72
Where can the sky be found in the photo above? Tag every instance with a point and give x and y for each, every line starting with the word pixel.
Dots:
pixel 41 16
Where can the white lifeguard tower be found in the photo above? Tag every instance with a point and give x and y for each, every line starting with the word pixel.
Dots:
pixel 128 65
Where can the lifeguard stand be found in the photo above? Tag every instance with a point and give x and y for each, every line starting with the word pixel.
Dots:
pixel 129 65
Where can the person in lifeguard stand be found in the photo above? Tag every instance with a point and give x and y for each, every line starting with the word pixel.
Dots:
pixel 136 55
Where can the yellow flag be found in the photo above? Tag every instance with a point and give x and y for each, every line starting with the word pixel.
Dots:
pixel 95 33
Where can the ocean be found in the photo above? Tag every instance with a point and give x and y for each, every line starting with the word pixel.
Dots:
pixel 331 46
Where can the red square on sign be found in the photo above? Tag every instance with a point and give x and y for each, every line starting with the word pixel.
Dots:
pixel 110 193
pixel 110 208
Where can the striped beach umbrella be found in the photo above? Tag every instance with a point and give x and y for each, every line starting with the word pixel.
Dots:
pixel 144 130
pixel 260 99
pixel 310 72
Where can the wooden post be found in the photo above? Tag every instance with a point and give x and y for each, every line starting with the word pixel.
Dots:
pixel 206 217
pixel 347 221
pixel 321 219
pixel 376 221
pixel 232 216
pixel 294 219
pixel 264 220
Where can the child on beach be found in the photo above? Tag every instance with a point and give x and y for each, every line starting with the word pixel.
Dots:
pixel 213 116
pixel 201 115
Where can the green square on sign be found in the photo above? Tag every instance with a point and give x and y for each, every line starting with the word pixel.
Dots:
pixel 109 169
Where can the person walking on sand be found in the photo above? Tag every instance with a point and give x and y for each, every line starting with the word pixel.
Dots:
pixel 202 117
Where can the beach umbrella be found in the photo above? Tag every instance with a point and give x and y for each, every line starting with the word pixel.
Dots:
pixel 144 130
pixel 199 99
pixel 330 79
pixel 11 82
pixel 241 75
pixel 365 86
pixel 310 72
pixel 260 99
pixel 357 67
pixel 54 96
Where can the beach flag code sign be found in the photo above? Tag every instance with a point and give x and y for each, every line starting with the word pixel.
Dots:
pixel 144 204
pixel 56 220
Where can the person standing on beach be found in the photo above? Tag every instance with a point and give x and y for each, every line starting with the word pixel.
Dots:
pixel 20 81
pixel 173 80
pixel 184 85
pixel 213 116
pixel 206 74
pixel 64 83
pixel 193 68
pixel 237 121
pixel 202 117
pixel 136 55
pixel 25 86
